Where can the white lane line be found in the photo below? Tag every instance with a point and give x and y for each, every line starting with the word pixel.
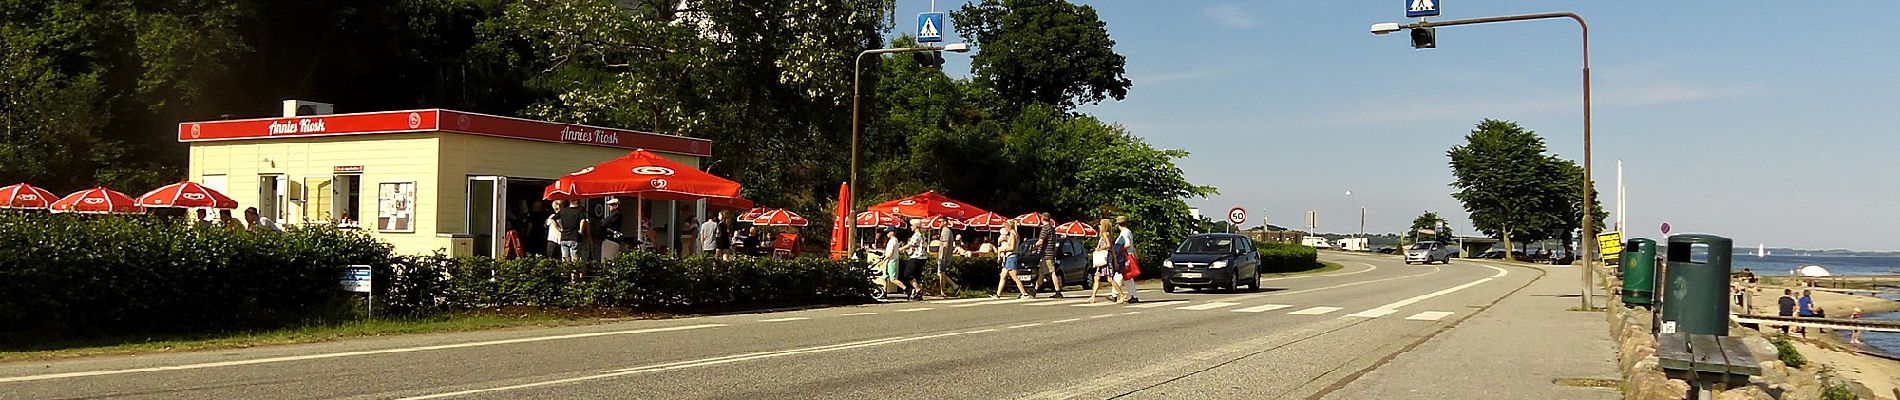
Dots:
pixel 1061 302
pixel 1262 308
pixel 961 301
pixel 916 309
pixel 1131 313
pixel 1394 306
pixel 857 313
pixel 1097 303
pixel 1065 320
pixel 784 319
pixel 349 353
pixel 1102 316
pixel 1428 316
pixel 982 331
pixel 1373 313
pixel 1207 306
pixel 1315 311
pixel 1157 304
pixel 1010 301
pixel 1026 325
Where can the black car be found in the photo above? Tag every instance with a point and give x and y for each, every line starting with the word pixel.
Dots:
pixel 1214 260
pixel 1498 254
pixel 1075 263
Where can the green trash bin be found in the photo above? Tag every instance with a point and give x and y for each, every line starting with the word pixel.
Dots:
pixel 1639 273
pixel 1695 294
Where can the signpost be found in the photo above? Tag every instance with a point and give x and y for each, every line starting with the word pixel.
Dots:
pixel 356 278
pixel 1235 217
pixel 1665 228
pixel 1421 8
pixel 929 27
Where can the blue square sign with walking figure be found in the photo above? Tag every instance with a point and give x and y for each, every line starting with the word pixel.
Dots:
pixel 1421 8
pixel 929 27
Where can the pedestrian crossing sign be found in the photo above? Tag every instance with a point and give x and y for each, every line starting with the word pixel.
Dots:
pixel 930 27
pixel 1421 8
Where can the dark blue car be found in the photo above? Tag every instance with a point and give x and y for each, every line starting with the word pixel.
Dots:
pixel 1213 261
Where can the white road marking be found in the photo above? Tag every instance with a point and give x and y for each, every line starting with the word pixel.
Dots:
pixel 1315 311
pixel 1097 303
pixel 1026 325
pixel 1010 301
pixel 982 331
pixel 916 309
pixel 1258 295
pixel 1131 313
pixel 1065 320
pixel 857 313
pixel 1394 306
pixel 1428 316
pixel 1369 268
pixel 349 353
pixel 1156 304
pixel 1263 308
pixel 1373 313
pixel 1061 302
pixel 1207 306
pixel 1102 316
pixel 960 301
pixel 784 319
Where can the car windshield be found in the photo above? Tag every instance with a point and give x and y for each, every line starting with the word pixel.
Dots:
pixel 1207 245
pixel 1423 246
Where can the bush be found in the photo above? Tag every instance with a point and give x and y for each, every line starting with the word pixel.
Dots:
pixel 1286 257
pixel 1786 352
pixel 427 284
pixel 74 276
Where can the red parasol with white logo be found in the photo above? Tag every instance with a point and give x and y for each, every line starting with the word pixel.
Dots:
pixel 1032 220
pixel 1075 228
pixel 927 205
pixel 98 200
pixel 26 197
pixel 874 219
pixel 643 174
pixel 187 194
pixel 755 212
pixel 988 221
pixel 780 217
pixel 939 222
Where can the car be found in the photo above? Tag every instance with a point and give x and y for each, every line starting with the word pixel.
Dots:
pixel 1388 250
pixel 1212 261
pixel 1428 251
pixel 1498 254
pixel 1073 260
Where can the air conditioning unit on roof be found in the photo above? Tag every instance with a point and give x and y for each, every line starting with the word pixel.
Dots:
pixel 296 108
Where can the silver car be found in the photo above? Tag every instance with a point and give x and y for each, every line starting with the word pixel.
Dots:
pixel 1426 252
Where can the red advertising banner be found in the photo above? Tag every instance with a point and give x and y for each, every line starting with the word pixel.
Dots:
pixel 413 121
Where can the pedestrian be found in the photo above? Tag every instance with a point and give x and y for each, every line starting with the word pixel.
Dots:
pixel 202 218
pixel 1749 280
pixel 722 238
pixel 1006 252
pixel 552 228
pixel 944 252
pixel 571 223
pixel 918 249
pixel 1124 249
pixel 1855 338
pixel 1786 306
pixel 259 222
pixel 891 260
pixel 1104 270
pixel 1046 249
pixel 741 241
pixel 708 233
pixel 614 241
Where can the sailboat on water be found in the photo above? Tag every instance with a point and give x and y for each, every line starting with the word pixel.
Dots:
pixel 1761 250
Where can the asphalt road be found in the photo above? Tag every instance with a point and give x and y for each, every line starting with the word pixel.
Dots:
pixel 1298 337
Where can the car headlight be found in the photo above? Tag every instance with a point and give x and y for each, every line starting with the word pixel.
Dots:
pixel 1218 265
pixel 1167 264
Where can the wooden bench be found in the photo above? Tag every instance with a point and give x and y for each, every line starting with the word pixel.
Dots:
pixel 1708 362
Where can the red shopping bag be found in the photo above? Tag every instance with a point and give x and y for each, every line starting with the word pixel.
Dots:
pixel 1134 269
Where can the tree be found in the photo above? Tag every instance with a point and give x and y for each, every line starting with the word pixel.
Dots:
pixel 1572 208
pixel 1431 221
pixel 1506 182
pixel 1043 51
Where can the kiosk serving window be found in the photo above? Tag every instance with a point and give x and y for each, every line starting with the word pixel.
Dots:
pixel 395 207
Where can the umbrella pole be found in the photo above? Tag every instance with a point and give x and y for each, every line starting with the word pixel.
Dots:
pixel 639 211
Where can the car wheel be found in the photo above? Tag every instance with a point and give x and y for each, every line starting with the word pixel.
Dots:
pixel 1233 282
pixel 1167 287
pixel 1255 285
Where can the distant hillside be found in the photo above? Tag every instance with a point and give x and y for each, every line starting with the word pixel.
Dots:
pixel 1781 251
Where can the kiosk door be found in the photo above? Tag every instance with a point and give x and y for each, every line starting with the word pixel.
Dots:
pixel 488 214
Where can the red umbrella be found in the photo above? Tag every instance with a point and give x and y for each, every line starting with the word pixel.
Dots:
pixel 988 221
pixel 780 217
pixel 873 219
pixel 187 195
pixel 755 212
pixel 1032 219
pixel 1075 228
pixel 928 204
pixel 839 231
pixel 98 200
pixel 642 174
pixel 938 222
pixel 24 196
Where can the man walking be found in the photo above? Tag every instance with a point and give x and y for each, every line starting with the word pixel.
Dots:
pixel 1046 248
pixel 708 235
pixel 572 224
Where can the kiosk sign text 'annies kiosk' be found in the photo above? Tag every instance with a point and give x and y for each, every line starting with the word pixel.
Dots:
pixel 436 120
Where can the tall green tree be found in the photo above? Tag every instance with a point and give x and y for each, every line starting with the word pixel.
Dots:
pixel 1043 51
pixel 1506 182
pixel 1431 221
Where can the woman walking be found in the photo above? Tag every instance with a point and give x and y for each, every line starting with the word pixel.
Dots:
pixel 889 260
pixel 1124 250
pixel 1006 252
pixel 1105 270
pixel 918 247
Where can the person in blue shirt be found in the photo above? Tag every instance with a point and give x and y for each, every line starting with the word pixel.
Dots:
pixel 1805 308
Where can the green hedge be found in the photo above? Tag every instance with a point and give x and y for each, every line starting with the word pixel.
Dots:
pixel 1286 257
pixel 66 277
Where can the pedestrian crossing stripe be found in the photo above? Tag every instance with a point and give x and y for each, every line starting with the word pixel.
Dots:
pixel 1373 313
pixel 1010 301
pixel 1264 308
pixel 784 319
pixel 1207 306
pixel 1061 302
pixel 1097 303
pixel 960 301
pixel 1156 304
pixel 1428 316
pixel 916 309
pixel 1315 311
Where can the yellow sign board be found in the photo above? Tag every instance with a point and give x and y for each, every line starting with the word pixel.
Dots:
pixel 1611 245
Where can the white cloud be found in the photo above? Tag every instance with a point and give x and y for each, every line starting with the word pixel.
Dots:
pixel 1230 16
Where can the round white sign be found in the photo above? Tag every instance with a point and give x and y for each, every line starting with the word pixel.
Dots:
pixel 1237 216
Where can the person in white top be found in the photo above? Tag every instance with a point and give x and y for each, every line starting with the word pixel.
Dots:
pixel 891 259
pixel 1006 252
pixel 1125 242
pixel 554 230
pixel 708 237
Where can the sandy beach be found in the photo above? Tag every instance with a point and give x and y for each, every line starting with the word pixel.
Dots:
pixel 1880 374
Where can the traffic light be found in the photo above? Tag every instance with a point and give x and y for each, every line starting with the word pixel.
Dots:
pixel 928 59
pixel 1424 38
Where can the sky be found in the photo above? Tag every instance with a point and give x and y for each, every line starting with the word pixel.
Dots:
pixel 1771 123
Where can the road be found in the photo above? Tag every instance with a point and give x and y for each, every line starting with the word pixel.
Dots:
pixel 1299 337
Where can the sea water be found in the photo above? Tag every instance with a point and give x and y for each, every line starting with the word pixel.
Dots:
pixel 1778 264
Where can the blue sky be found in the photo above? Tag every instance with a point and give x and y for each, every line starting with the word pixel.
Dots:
pixel 1767 122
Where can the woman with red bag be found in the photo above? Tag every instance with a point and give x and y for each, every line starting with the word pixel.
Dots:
pixel 1124 250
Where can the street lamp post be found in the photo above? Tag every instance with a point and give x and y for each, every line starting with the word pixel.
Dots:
pixel 857 74
pixel 1589 230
